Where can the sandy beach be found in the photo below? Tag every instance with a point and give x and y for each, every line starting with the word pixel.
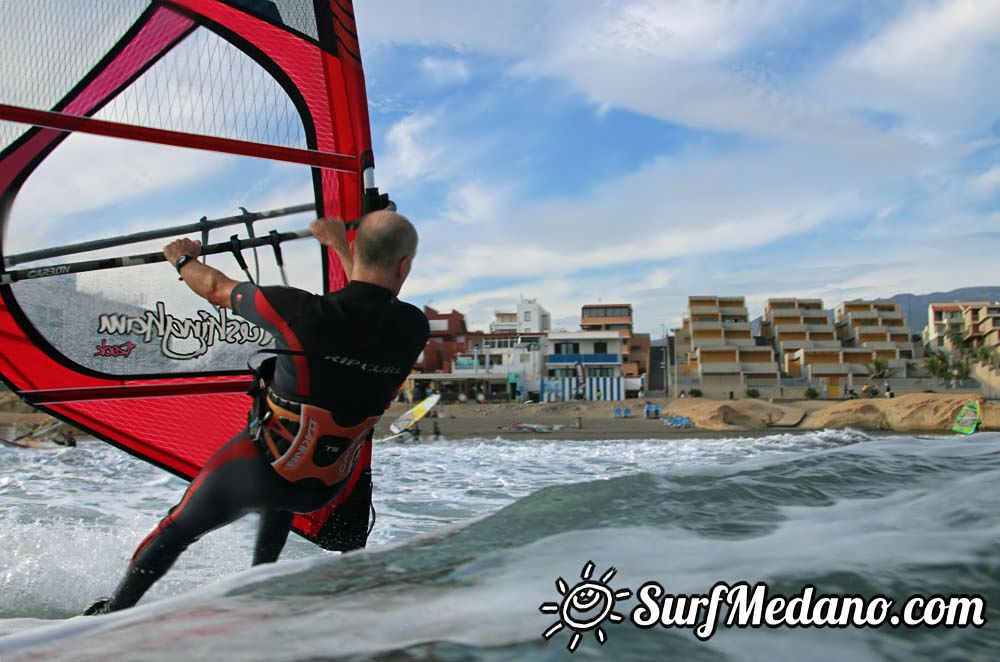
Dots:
pixel 918 412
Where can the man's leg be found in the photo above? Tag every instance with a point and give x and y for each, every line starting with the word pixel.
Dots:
pixel 272 535
pixel 216 497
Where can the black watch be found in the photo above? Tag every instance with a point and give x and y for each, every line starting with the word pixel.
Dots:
pixel 181 261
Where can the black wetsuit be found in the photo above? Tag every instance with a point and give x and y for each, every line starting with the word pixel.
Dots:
pixel 359 344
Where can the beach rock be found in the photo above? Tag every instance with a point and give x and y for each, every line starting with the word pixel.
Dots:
pixel 916 412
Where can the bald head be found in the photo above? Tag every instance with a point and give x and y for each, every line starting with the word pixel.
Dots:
pixel 386 243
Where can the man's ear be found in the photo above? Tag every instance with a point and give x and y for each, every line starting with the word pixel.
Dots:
pixel 403 270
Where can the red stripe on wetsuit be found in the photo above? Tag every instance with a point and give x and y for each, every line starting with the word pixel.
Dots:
pixel 267 311
pixel 240 449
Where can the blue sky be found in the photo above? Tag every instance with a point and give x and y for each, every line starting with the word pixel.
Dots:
pixel 631 151
pixel 643 152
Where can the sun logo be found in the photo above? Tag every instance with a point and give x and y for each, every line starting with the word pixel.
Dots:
pixel 585 606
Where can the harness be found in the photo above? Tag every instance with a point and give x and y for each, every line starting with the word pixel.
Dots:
pixel 303 443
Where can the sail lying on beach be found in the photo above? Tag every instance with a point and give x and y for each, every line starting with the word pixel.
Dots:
pixel 279 80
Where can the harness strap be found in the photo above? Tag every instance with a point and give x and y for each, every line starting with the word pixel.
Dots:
pixel 307 446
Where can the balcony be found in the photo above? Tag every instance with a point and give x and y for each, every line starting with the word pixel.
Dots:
pixel 585 359
pixel 733 311
pixel 871 329
pixel 721 368
pixel 707 342
pixel 763 368
pixel 880 345
pixel 828 369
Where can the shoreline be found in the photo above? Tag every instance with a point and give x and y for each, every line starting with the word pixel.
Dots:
pixel 927 413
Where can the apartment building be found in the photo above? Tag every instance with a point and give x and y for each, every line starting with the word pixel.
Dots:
pixel 599 352
pixel 586 364
pixel 876 325
pixel 530 317
pixel 618 317
pixel 945 321
pixel 831 370
pixel 448 337
pixel 789 325
pixel 982 326
pixel 715 344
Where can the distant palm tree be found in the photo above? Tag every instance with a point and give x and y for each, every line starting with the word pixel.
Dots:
pixel 957 339
pixel 879 369
pixel 936 363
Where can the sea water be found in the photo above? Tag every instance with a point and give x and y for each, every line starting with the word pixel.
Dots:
pixel 473 536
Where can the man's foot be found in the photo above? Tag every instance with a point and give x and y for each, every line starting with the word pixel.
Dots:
pixel 99 607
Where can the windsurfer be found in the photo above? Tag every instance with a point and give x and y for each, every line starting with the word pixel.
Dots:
pixel 318 415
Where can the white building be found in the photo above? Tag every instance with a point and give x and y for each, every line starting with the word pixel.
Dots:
pixel 530 317
pixel 599 355
pixel 496 356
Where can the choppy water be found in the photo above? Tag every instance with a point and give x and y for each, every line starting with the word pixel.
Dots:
pixel 472 535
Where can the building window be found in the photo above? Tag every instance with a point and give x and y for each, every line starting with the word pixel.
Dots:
pixel 496 359
pixel 567 348
pixel 600 348
pixel 527 316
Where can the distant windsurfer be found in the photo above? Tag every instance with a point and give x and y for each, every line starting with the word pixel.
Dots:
pixel 342 358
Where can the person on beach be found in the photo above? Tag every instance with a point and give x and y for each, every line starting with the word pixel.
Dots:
pixel 340 360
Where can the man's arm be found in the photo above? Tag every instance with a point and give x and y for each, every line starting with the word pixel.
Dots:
pixel 208 283
pixel 332 233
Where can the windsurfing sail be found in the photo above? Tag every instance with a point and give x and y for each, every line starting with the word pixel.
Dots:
pixel 411 417
pixel 968 418
pixel 120 117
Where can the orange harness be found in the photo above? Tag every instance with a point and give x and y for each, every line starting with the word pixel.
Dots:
pixel 308 446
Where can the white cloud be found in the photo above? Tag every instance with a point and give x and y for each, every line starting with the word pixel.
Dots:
pixel 685 62
pixel 473 202
pixel 443 71
pixel 655 279
pixel 940 40
pixel 412 152
pixel 988 183
pixel 932 67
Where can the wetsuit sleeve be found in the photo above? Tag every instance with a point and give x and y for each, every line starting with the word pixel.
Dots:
pixel 268 307
pixel 421 331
